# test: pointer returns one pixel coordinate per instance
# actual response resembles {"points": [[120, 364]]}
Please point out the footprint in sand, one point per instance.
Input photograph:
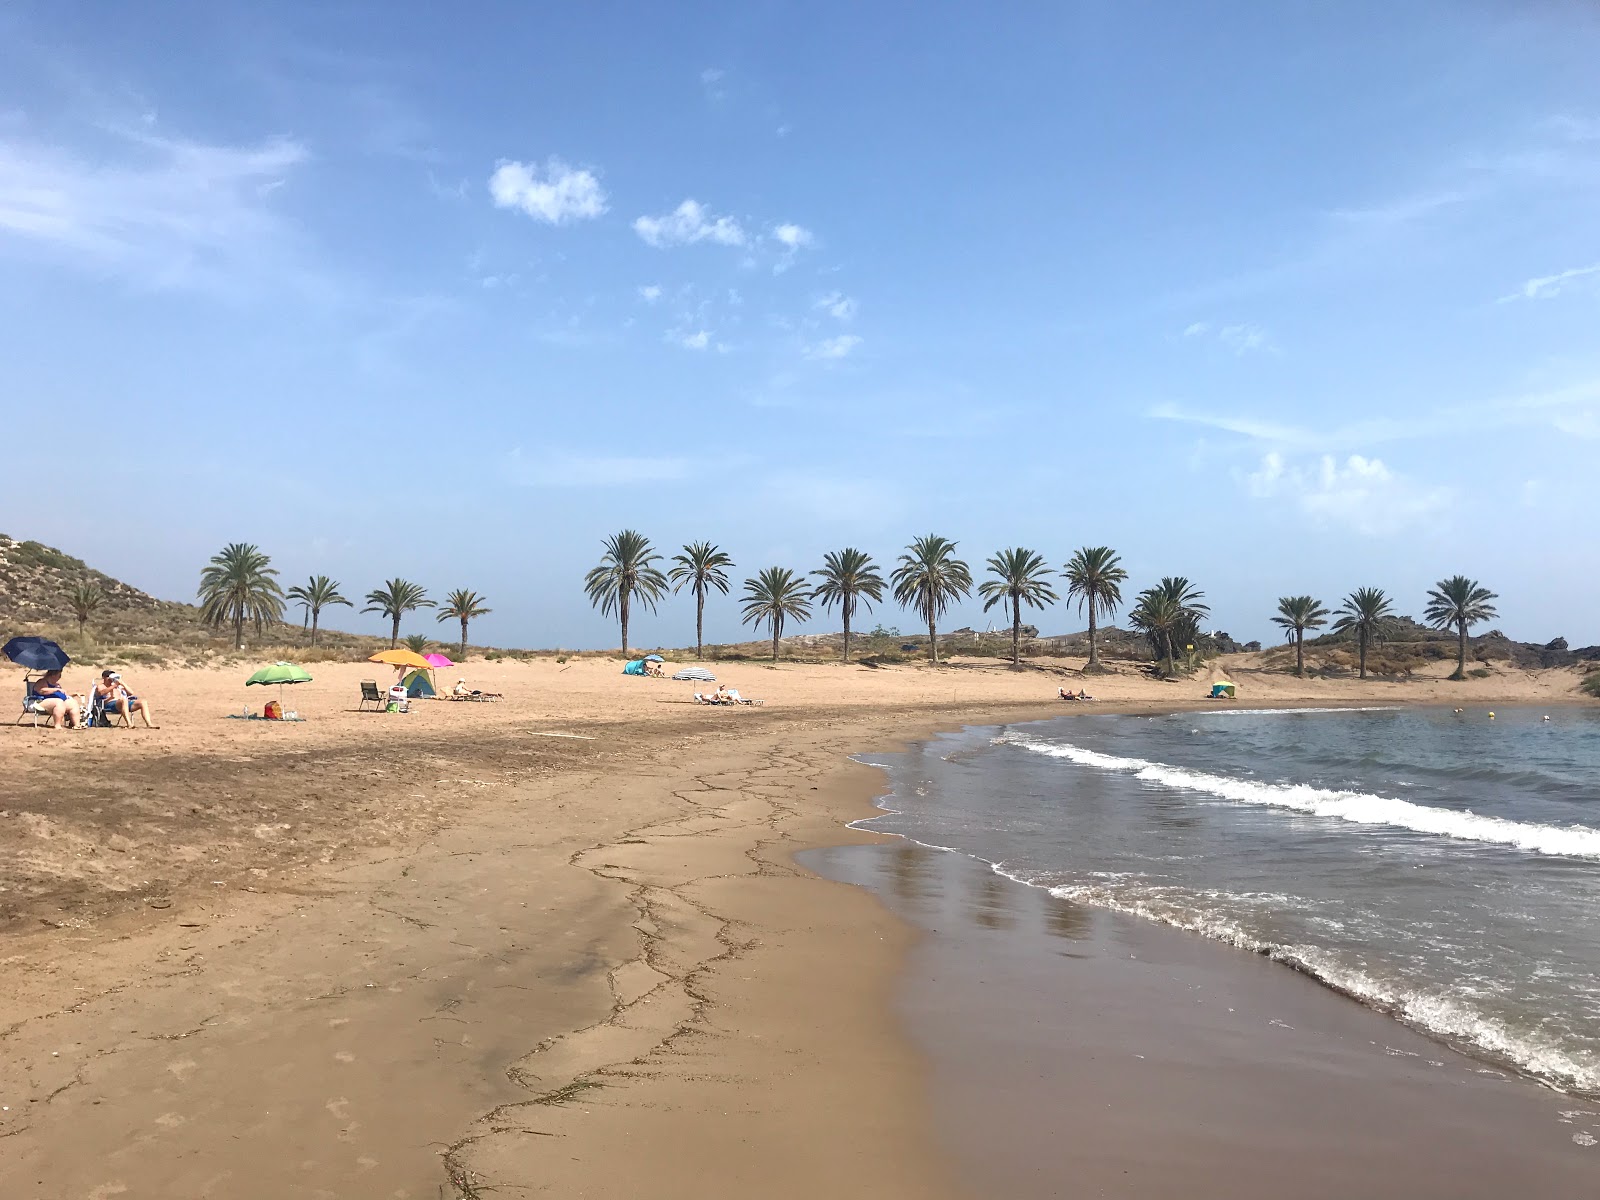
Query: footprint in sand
{"points": [[344, 1056], [339, 1107], [182, 1067], [171, 1120]]}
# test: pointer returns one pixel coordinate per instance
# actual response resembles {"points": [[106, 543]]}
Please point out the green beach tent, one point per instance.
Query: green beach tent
{"points": [[419, 686]]}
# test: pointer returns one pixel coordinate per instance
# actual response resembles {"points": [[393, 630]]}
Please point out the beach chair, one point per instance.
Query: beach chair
{"points": [[371, 695], [30, 711], [100, 714]]}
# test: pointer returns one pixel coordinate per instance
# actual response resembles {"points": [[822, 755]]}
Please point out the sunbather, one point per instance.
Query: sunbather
{"points": [[46, 695], [114, 698]]}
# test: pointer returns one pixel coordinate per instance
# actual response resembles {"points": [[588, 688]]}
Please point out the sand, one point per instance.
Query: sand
{"points": [[556, 943]]}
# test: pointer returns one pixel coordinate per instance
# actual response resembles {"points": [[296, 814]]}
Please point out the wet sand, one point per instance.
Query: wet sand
{"points": [[1079, 1052]]}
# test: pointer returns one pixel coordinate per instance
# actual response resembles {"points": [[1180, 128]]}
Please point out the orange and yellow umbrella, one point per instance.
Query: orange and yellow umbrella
{"points": [[401, 658]]}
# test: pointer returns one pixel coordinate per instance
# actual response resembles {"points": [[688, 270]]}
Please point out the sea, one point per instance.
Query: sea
{"points": [[1440, 866]]}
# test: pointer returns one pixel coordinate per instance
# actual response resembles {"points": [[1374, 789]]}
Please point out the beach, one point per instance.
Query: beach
{"points": [[558, 943]]}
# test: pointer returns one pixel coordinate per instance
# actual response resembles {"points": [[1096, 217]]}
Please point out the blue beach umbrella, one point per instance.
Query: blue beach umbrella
{"points": [[654, 658], [35, 653]]}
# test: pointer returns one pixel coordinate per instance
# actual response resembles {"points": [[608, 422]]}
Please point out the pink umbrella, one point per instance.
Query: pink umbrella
{"points": [[438, 660]]}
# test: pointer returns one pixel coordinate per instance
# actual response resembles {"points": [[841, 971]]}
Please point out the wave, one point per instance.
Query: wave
{"points": [[1361, 808], [1442, 1016], [1285, 712]]}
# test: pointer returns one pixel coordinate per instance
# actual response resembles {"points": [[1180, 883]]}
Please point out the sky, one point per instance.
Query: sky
{"points": [[1293, 299]]}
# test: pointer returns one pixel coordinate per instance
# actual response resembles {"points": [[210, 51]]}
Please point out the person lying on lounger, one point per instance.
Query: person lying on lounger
{"points": [[114, 698], [46, 695]]}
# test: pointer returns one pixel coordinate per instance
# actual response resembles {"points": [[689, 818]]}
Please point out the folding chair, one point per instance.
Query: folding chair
{"points": [[371, 695]]}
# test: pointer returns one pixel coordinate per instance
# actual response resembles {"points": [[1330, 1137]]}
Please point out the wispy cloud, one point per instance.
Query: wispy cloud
{"points": [[687, 224], [834, 347], [1360, 493], [650, 292], [1241, 339], [569, 469], [699, 339], [711, 83], [1401, 211], [168, 211], [837, 305], [1545, 287], [793, 238], [555, 194], [851, 501]]}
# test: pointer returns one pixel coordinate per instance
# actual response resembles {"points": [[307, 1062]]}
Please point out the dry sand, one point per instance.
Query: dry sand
{"points": [[437, 953]]}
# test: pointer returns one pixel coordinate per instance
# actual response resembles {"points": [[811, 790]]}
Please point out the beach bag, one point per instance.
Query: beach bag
{"points": [[273, 711]]}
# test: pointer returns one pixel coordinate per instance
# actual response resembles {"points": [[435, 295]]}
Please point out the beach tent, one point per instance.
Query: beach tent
{"points": [[698, 674], [636, 667], [1222, 688], [418, 685]]}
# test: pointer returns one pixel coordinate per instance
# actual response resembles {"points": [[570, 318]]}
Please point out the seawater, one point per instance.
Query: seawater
{"points": [[1442, 867]]}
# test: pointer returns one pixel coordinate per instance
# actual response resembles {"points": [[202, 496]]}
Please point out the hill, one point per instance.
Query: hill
{"points": [[36, 586]]}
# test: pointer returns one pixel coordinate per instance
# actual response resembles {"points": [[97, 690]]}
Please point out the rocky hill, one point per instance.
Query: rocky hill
{"points": [[36, 587]]}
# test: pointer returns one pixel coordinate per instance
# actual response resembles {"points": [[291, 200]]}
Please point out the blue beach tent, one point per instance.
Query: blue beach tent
{"points": [[636, 667]]}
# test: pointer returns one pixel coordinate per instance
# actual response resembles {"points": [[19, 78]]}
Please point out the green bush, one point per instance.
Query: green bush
{"points": [[1591, 685]]}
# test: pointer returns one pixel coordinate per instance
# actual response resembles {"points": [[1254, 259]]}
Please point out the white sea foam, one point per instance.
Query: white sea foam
{"points": [[1288, 712], [1362, 808], [1441, 1015]]}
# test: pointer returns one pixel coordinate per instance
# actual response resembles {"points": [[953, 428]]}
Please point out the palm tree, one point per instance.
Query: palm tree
{"points": [[1159, 617], [849, 579], [1462, 603], [394, 600], [416, 642], [1366, 612], [773, 597], [240, 585], [84, 599], [1021, 574], [701, 567], [929, 578], [317, 593], [1296, 614], [1094, 578], [627, 572], [462, 605]]}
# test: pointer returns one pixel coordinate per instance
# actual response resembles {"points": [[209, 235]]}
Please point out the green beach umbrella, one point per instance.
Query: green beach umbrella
{"points": [[280, 673]]}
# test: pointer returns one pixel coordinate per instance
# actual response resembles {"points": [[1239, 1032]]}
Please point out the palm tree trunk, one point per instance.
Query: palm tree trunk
{"points": [[699, 622], [622, 608], [238, 627], [394, 632], [314, 619], [1016, 631], [775, 629], [1461, 650], [846, 611], [463, 639], [1361, 644], [933, 639], [1300, 652], [80, 626], [1094, 651]]}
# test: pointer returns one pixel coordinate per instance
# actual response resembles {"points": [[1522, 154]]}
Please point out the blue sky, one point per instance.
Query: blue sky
{"points": [[1295, 299]]}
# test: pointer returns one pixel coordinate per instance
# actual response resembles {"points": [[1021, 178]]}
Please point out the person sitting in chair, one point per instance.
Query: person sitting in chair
{"points": [[461, 690], [114, 698], [46, 695]]}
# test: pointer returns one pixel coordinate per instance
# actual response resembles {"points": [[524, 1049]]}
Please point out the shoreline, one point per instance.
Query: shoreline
{"points": [[433, 964]]}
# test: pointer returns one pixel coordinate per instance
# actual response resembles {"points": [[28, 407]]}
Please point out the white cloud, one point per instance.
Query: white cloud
{"points": [[1242, 338], [837, 305], [793, 237], [169, 211], [1545, 287], [700, 339], [1361, 493], [555, 196], [834, 347], [570, 469], [687, 224], [650, 292], [711, 75]]}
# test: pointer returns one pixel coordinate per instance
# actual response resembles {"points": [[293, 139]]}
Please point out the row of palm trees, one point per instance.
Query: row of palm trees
{"points": [[240, 586], [927, 579], [1456, 603]]}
